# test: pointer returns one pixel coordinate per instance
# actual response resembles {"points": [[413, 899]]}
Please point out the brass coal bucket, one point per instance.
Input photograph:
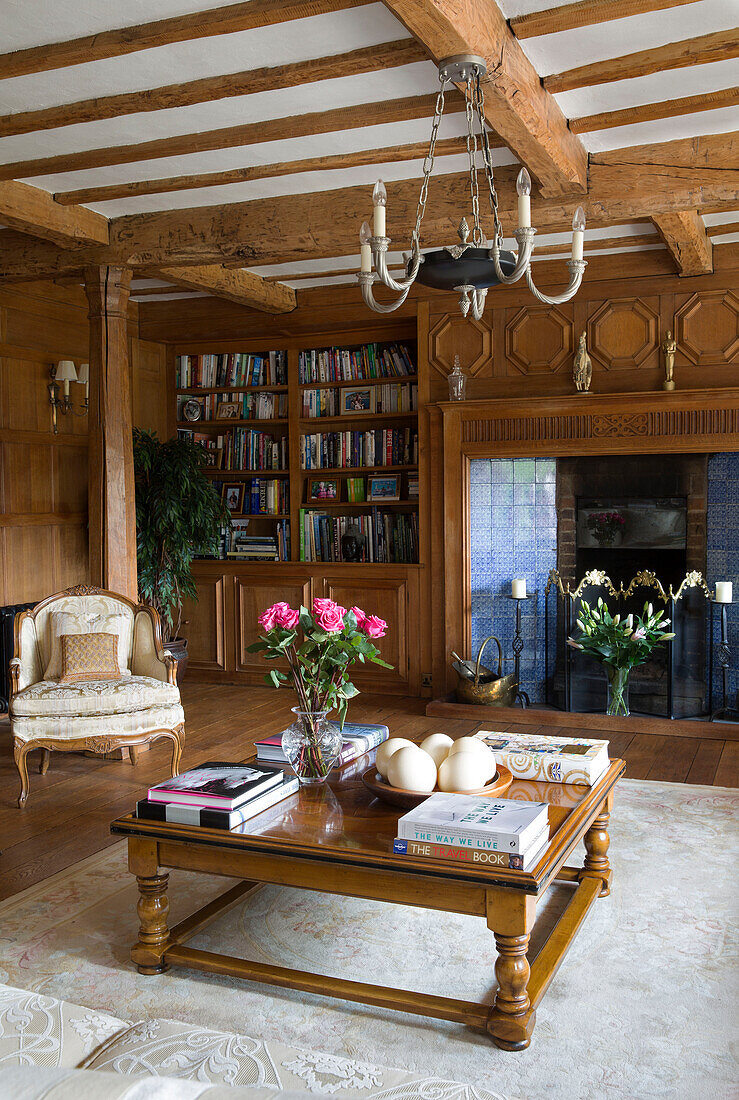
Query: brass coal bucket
{"points": [[486, 687]]}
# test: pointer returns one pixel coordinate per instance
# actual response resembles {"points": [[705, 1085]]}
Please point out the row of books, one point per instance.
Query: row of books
{"points": [[392, 397], [236, 406], [358, 739], [236, 542], [245, 449], [263, 496], [379, 447], [348, 364], [233, 369], [389, 536], [487, 832], [217, 795]]}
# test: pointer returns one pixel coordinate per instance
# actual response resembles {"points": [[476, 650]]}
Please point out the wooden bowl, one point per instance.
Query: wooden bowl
{"points": [[406, 800]]}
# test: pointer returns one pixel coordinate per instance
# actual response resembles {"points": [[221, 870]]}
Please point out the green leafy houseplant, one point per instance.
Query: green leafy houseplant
{"points": [[178, 515], [619, 645]]}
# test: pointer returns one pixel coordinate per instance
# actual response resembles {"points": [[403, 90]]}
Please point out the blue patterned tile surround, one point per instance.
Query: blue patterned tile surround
{"points": [[513, 522], [723, 554]]}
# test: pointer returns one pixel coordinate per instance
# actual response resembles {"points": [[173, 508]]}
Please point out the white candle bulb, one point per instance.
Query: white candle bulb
{"points": [[518, 588], [379, 198], [365, 250], [523, 186], [578, 233], [724, 592]]}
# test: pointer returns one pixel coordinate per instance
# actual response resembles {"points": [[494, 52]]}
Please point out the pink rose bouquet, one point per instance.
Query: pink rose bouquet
{"points": [[333, 639]]}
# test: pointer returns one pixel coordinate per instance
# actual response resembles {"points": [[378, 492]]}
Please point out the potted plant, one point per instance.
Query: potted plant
{"points": [[619, 645], [332, 640], [178, 514], [607, 527]]}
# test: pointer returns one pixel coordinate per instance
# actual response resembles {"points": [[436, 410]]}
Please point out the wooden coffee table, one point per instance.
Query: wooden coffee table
{"points": [[337, 839]]}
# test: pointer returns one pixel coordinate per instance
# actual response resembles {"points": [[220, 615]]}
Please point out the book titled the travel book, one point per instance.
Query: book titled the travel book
{"points": [[216, 785], [219, 819], [359, 738], [477, 856], [549, 759], [467, 821]]}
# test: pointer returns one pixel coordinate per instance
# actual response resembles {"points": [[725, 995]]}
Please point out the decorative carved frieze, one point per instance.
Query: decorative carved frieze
{"points": [[667, 424]]}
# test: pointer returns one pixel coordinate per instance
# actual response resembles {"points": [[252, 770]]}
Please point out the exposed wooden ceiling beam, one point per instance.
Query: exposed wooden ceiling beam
{"points": [[391, 155], [585, 13], [697, 173], [31, 210], [648, 112], [243, 287], [684, 233], [251, 133], [367, 59], [180, 28], [525, 116], [723, 227], [720, 46]]}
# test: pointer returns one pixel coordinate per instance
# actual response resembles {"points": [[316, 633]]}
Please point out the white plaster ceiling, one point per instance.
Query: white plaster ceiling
{"points": [[45, 21]]}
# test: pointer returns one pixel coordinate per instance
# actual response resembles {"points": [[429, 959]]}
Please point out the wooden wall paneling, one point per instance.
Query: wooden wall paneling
{"points": [[255, 591], [451, 334], [71, 563], [149, 391], [295, 480], [538, 340], [707, 329], [624, 335], [390, 598], [420, 625], [25, 545], [204, 625]]}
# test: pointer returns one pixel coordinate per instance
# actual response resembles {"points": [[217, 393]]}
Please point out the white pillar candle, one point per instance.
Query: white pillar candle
{"points": [[518, 588], [724, 591]]}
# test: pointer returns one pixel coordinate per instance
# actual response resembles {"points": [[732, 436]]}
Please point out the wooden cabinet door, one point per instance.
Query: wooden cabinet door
{"points": [[253, 595], [204, 625], [392, 598]]}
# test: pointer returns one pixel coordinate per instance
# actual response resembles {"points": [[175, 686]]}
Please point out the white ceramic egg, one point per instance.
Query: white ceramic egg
{"points": [[437, 745], [412, 769], [386, 750], [464, 771], [468, 744], [472, 746]]}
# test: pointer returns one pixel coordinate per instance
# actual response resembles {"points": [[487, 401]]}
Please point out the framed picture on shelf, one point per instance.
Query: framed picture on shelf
{"points": [[326, 489], [383, 488], [357, 399], [228, 410], [233, 496]]}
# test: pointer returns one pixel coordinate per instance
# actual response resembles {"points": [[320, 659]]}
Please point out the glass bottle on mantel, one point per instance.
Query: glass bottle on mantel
{"points": [[457, 382]]}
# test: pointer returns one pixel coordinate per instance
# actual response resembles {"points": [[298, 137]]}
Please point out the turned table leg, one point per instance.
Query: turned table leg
{"points": [[597, 840], [511, 917], [152, 908]]}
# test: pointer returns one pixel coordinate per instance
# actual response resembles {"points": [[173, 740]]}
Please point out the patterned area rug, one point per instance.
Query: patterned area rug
{"points": [[643, 1006]]}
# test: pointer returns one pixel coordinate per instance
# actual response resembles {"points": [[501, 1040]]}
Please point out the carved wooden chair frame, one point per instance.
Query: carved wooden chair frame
{"points": [[110, 742]]}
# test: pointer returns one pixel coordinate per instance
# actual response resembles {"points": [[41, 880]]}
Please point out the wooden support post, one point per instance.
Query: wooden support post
{"points": [[111, 484]]}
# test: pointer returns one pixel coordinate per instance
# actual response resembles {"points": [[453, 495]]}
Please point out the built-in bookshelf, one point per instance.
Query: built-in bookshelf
{"points": [[308, 445]]}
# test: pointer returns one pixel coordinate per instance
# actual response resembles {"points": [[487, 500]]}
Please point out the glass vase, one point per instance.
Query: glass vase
{"points": [[618, 691], [312, 745]]}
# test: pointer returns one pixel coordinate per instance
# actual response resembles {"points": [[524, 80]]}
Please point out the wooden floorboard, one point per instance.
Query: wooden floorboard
{"points": [[70, 808]]}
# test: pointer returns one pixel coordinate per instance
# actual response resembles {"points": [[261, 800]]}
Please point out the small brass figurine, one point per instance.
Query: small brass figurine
{"points": [[582, 367], [669, 347]]}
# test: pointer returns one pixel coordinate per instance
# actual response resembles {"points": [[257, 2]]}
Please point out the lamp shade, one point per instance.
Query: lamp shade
{"points": [[65, 371], [83, 374]]}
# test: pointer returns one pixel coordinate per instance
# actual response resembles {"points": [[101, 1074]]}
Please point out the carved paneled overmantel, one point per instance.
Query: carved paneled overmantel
{"points": [[680, 422]]}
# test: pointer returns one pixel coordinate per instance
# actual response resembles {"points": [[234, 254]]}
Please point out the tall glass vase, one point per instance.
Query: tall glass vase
{"points": [[618, 690], [312, 745]]}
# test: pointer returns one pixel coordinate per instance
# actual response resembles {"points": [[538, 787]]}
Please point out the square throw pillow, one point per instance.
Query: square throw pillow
{"points": [[70, 622], [89, 657]]}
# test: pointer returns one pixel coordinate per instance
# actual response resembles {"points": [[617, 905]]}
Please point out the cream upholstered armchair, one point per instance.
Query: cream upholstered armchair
{"points": [[99, 715]]}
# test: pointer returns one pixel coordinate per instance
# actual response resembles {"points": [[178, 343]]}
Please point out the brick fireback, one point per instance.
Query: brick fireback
{"points": [[632, 476]]}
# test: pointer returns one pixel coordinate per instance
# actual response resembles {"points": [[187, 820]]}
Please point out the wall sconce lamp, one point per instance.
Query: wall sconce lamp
{"points": [[65, 372]]}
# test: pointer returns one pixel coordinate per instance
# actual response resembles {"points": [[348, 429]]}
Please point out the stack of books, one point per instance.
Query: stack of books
{"points": [[217, 795], [484, 832], [254, 548], [581, 760], [358, 739]]}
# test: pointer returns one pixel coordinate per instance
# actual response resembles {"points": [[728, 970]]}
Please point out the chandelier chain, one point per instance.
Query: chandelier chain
{"points": [[477, 235], [428, 165], [488, 159]]}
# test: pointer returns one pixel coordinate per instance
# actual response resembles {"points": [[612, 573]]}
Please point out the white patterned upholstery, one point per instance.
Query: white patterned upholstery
{"points": [[83, 615], [49, 698], [131, 723], [40, 1030], [29, 663], [144, 659]]}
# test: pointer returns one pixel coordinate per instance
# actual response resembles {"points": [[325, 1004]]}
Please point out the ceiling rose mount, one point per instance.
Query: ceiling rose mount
{"points": [[474, 265]]}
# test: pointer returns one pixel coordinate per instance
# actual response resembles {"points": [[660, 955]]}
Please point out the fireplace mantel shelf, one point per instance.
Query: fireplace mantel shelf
{"points": [[724, 397]]}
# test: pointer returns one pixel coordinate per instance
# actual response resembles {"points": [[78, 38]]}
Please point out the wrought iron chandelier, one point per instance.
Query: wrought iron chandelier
{"points": [[472, 266]]}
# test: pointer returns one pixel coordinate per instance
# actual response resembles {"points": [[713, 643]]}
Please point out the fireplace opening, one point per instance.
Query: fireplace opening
{"points": [[623, 536]]}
